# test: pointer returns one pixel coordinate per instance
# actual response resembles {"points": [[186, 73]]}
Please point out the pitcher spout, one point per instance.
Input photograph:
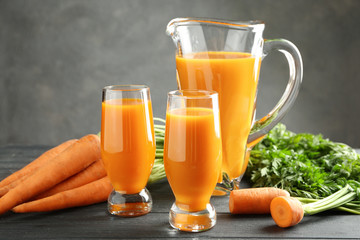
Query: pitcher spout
{"points": [[172, 26], [200, 34]]}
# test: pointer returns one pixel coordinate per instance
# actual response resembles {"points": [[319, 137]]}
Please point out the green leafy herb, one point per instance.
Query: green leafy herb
{"points": [[158, 170], [306, 165]]}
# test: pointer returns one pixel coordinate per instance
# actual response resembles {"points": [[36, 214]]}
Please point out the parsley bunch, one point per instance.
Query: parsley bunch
{"points": [[305, 165]]}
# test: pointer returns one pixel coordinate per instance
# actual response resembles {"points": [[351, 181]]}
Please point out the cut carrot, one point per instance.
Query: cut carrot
{"points": [[91, 193], [286, 211], [253, 200], [93, 172], [38, 162], [69, 162]]}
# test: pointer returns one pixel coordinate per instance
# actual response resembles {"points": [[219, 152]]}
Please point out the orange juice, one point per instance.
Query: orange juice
{"points": [[192, 156], [127, 143], [235, 77]]}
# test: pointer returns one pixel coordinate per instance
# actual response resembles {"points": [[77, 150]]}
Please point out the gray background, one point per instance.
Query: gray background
{"points": [[55, 57]]}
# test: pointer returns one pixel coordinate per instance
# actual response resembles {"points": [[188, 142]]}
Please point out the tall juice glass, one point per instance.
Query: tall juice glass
{"points": [[128, 147], [192, 157], [225, 56]]}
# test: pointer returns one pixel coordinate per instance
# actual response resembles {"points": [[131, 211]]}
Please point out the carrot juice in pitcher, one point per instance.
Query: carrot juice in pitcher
{"points": [[225, 56], [234, 76]]}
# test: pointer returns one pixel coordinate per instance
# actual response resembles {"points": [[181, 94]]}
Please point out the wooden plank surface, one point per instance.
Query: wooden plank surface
{"points": [[93, 222]]}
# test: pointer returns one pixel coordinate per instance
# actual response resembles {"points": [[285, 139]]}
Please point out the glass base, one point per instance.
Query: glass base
{"points": [[192, 221], [130, 205], [226, 186]]}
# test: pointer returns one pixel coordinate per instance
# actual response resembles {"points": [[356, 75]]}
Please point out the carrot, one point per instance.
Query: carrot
{"points": [[289, 211], [253, 200], [6, 188], [286, 211], [94, 192], [38, 162], [74, 159], [93, 172]]}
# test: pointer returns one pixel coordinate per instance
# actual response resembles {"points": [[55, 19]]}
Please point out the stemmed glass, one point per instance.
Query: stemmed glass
{"points": [[192, 157], [128, 147]]}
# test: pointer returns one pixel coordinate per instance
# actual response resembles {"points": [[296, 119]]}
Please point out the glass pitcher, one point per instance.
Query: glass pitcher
{"points": [[225, 56]]}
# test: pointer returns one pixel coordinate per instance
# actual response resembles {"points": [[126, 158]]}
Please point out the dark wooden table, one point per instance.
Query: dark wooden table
{"points": [[93, 222]]}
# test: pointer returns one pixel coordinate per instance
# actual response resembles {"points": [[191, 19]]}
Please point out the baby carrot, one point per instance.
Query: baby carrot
{"points": [[94, 192], [253, 200], [74, 159], [93, 172], [286, 211], [38, 162]]}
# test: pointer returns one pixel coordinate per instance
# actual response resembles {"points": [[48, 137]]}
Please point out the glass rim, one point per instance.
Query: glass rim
{"points": [[206, 94], [253, 24], [126, 87]]}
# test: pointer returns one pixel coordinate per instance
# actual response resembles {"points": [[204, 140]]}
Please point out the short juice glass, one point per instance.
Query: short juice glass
{"points": [[128, 147], [192, 157]]}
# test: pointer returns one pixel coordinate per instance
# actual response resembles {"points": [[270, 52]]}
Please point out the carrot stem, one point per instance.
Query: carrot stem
{"points": [[350, 207], [320, 206], [332, 197], [158, 171], [350, 210]]}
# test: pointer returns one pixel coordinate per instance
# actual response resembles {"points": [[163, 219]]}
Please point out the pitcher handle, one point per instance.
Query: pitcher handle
{"points": [[264, 125]]}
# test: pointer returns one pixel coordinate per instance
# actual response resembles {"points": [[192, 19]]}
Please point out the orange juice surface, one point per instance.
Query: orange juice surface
{"points": [[127, 143], [192, 156], [234, 76]]}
